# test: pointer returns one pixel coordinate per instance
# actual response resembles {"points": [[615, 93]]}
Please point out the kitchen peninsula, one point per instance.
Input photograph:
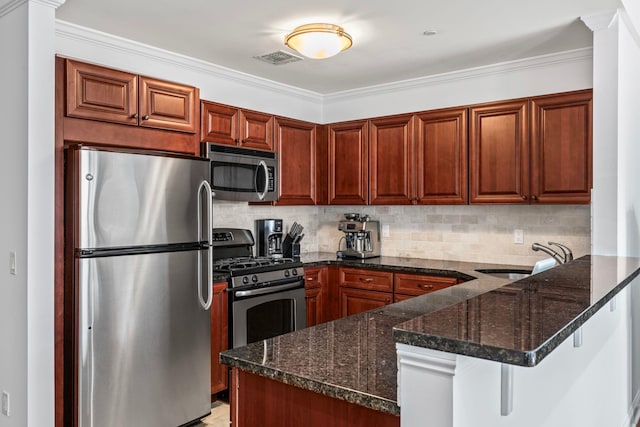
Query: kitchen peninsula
{"points": [[485, 321]]}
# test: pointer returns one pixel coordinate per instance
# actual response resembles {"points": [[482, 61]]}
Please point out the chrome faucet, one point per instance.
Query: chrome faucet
{"points": [[566, 256]]}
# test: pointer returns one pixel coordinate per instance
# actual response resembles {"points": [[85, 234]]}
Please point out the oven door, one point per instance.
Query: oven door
{"points": [[263, 313]]}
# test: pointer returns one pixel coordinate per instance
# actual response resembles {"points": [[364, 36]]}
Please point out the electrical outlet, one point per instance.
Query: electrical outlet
{"points": [[518, 237], [12, 263], [385, 230], [6, 409]]}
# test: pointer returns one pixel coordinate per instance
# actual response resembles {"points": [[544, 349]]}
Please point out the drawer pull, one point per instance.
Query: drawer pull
{"points": [[309, 279], [366, 280], [425, 286]]}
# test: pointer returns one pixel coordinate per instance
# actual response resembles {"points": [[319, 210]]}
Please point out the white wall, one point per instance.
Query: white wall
{"points": [[26, 219]]}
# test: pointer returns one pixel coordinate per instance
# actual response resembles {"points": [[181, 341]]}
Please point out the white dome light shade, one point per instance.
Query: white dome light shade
{"points": [[318, 41]]}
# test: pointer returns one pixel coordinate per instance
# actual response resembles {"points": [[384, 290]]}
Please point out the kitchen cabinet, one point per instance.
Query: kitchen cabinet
{"points": [[99, 93], [361, 290], [348, 163], [391, 160], [301, 150], [219, 337], [441, 149], [561, 148], [224, 124], [410, 285], [536, 150], [316, 294], [499, 153]]}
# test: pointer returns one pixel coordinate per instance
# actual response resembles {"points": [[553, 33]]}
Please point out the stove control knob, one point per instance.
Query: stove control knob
{"points": [[286, 273], [254, 279], [294, 271], [245, 280]]}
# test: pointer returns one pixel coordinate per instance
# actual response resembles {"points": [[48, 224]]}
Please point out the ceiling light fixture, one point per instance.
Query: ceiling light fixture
{"points": [[318, 41]]}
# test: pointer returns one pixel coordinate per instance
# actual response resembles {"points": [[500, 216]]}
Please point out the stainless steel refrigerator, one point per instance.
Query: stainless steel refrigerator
{"points": [[142, 282]]}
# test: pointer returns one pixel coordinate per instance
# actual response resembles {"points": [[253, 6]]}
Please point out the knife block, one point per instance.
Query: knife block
{"points": [[290, 249]]}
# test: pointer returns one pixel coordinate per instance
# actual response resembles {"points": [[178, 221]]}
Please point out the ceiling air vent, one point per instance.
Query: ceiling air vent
{"points": [[278, 58]]}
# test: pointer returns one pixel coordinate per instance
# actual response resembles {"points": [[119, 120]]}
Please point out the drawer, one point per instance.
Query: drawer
{"points": [[415, 284], [314, 277], [366, 279]]}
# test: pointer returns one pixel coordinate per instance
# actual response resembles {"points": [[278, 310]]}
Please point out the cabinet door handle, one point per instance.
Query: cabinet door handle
{"points": [[425, 286], [524, 197], [134, 116], [387, 300], [309, 279], [366, 280], [534, 198], [145, 118]]}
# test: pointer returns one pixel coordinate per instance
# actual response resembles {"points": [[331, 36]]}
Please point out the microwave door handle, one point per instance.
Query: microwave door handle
{"points": [[266, 181]]}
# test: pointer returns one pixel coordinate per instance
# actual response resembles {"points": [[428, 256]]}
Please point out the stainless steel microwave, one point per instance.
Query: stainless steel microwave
{"points": [[243, 174]]}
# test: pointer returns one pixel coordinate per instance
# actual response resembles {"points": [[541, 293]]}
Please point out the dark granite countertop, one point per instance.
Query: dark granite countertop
{"points": [[354, 358], [524, 321]]}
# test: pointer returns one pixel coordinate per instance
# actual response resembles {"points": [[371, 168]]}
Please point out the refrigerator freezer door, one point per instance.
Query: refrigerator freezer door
{"points": [[144, 349], [130, 200]]}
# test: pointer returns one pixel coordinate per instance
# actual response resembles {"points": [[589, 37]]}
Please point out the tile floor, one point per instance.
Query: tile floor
{"points": [[219, 416]]}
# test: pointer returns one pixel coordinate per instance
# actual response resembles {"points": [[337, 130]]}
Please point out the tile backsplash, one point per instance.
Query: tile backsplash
{"points": [[477, 233]]}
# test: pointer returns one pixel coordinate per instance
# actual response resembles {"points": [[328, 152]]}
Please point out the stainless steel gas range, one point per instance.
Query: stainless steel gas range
{"points": [[266, 295]]}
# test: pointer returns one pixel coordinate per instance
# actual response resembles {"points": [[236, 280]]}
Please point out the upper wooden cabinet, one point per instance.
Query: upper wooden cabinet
{"points": [[441, 157], [561, 148], [499, 153], [537, 150], [391, 165], [224, 124], [104, 94], [301, 174], [348, 163]]}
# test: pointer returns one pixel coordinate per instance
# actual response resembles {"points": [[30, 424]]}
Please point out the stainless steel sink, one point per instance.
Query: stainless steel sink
{"points": [[506, 273]]}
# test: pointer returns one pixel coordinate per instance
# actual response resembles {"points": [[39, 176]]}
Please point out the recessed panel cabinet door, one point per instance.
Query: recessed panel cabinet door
{"points": [[100, 93], [219, 123], [391, 161], [499, 153], [441, 157], [561, 148], [348, 163], [166, 105], [296, 148]]}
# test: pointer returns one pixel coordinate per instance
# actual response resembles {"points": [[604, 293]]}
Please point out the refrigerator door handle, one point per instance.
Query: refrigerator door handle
{"points": [[206, 304]]}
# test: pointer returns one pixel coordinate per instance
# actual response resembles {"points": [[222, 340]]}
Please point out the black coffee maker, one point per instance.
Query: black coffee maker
{"points": [[268, 237]]}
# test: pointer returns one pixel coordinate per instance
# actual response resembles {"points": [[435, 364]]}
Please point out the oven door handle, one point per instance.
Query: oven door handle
{"points": [[268, 290], [265, 169]]}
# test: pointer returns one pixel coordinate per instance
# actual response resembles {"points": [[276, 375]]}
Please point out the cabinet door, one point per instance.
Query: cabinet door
{"points": [[219, 123], [499, 153], [441, 157], [391, 162], [296, 148], [415, 284], [353, 301], [561, 148], [166, 105], [314, 306], [316, 289], [348, 163], [219, 337], [100, 93], [256, 130]]}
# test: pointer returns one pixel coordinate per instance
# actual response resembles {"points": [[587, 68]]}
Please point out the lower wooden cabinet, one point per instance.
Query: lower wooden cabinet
{"points": [[354, 301], [219, 337], [410, 285], [315, 294]]}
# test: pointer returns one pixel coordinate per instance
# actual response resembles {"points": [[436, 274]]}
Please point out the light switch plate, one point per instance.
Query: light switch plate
{"points": [[385, 230]]}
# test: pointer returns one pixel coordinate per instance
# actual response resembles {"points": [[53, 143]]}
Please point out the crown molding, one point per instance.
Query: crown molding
{"points": [[576, 55], [111, 42], [11, 5], [600, 21]]}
